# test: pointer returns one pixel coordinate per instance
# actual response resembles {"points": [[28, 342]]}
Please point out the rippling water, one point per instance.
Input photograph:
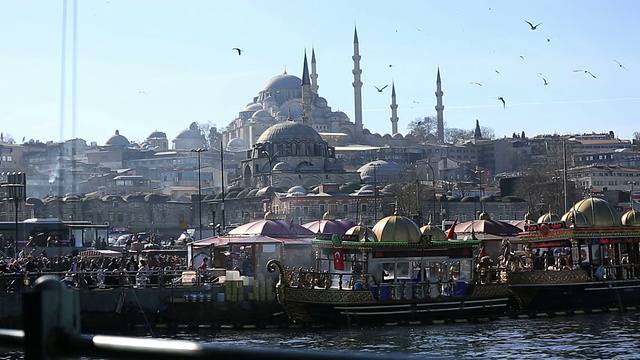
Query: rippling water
{"points": [[601, 336]]}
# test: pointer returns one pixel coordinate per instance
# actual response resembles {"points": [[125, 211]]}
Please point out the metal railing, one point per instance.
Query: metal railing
{"points": [[52, 331]]}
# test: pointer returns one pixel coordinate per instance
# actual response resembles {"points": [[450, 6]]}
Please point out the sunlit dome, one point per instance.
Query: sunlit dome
{"points": [[396, 228]]}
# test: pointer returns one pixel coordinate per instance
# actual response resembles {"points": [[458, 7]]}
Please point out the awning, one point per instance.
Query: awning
{"points": [[100, 253]]}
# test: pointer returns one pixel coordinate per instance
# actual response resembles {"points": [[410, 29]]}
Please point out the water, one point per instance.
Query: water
{"points": [[601, 336]]}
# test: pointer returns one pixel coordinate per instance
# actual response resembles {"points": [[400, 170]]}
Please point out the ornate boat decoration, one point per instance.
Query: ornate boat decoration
{"points": [[404, 275]]}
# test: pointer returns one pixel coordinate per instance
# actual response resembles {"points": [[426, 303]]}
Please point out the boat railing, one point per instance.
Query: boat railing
{"points": [[52, 331], [397, 289]]}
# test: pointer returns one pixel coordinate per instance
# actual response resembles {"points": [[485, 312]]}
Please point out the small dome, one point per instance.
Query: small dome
{"points": [[33, 201], [262, 115], [484, 216], [289, 131], [253, 107], [282, 166], [396, 228], [548, 217], [364, 233], [433, 233], [575, 219], [193, 132], [529, 216], [397, 136], [157, 135], [237, 144], [117, 140], [631, 218], [328, 216], [297, 190], [385, 171], [599, 212]]}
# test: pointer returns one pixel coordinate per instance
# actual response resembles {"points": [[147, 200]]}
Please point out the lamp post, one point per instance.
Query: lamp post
{"points": [[433, 187], [375, 192], [17, 190], [270, 158], [199, 151], [479, 174], [632, 183]]}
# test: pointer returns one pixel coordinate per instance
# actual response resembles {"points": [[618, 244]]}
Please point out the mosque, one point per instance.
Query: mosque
{"points": [[282, 135]]}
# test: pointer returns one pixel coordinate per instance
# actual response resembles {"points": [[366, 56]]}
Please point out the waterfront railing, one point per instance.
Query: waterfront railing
{"points": [[52, 331]]}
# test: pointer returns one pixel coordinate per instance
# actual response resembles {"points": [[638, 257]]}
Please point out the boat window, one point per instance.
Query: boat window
{"points": [[388, 272]]}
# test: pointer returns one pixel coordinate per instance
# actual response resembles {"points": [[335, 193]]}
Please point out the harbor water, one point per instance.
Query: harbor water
{"points": [[596, 336]]}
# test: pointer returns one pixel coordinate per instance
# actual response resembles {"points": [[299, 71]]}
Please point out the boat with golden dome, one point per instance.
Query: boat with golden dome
{"points": [[588, 259], [393, 273]]}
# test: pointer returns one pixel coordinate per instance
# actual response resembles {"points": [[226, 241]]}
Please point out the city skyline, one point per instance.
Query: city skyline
{"points": [[148, 65]]}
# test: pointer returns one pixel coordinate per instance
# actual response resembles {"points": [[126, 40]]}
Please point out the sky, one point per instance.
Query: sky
{"points": [[147, 65]]}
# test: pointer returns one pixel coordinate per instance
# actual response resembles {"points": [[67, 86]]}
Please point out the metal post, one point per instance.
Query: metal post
{"points": [[199, 151], [375, 193], [631, 193], [419, 222], [564, 177], [222, 183], [433, 186]]}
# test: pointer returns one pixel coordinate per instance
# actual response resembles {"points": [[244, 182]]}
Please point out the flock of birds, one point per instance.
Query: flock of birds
{"points": [[500, 98]]}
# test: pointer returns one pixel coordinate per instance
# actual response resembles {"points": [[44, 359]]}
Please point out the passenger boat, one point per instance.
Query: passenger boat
{"points": [[588, 260], [395, 273]]}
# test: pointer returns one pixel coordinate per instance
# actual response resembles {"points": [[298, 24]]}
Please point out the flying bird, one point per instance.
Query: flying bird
{"points": [[521, 57], [545, 81], [586, 72], [238, 50], [497, 72], [548, 40], [390, 65], [142, 92], [504, 105], [475, 83], [622, 66], [380, 89], [533, 27]]}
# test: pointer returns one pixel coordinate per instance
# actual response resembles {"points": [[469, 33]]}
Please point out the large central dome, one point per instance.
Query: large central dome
{"points": [[289, 131], [284, 81]]}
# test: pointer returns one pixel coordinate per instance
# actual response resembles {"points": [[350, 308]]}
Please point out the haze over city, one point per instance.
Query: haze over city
{"points": [[160, 65]]}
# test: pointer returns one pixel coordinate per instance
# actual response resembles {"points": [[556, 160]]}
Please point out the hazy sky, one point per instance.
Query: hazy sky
{"points": [[146, 65]]}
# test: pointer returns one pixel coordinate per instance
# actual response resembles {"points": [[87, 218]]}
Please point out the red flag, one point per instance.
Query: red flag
{"points": [[338, 258], [452, 230], [481, 253]]}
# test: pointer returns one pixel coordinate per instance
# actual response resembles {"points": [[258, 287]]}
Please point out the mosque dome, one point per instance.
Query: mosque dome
{"points": [[118, 140], [193, 132], [631, 218], [397, 136], [598, 211], [433, 233], [237, 144], [364, 233], [262, 115], [396, 228], [284, 81], [385, 171], [157, 135], [548, 217], [253, 107], [297, 190], [289, 131]]}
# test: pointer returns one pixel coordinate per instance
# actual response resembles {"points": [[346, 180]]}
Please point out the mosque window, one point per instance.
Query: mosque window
{"points": [[322, 209]]}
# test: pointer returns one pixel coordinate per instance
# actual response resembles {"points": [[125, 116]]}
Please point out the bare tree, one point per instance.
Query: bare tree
{"points": [[424, 129], [210, 134]]}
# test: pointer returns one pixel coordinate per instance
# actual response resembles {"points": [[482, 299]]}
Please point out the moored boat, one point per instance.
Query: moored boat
{"points": [[588, 260], [394, 274]]}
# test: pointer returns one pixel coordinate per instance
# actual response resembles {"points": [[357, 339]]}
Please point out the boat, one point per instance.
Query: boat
{"points": [[395, 273], [589, 260]]}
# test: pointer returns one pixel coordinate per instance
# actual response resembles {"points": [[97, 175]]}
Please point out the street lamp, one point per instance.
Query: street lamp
{"points": [[479, 174], [433, 186], [631, 193], [375, 192], [270, 158], [199, 151]]}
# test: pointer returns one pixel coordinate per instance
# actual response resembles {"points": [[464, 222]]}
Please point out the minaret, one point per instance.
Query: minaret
{"points": [[439, 108], [357, 86], [314, 74], [477, 134], [306, 93], [394, 110]]}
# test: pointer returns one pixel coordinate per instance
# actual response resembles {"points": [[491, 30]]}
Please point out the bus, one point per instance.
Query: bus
{"points": [[80, 234]]}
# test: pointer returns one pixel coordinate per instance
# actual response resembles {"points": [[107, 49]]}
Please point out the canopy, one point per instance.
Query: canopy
{"points": [[329, 226], [489, 227], [278, 228], [100, 253]]}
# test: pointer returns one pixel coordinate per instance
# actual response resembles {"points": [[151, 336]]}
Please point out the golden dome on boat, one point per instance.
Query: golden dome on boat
{"points": [[598, 211], [631, 218], [484, 216], [270, 215], [363, 232], [548, 217], [575, 219], [433, 233], [396, 228], [529, 216]]}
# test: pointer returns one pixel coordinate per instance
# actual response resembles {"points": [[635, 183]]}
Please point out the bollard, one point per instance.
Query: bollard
{"points": [[49, 310]]}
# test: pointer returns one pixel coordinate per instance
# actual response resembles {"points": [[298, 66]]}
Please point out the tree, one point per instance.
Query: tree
{"points": [[211, 137], [424, 129], [454, 135]]}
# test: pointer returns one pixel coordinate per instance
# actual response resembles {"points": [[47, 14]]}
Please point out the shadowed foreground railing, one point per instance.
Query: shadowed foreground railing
{"points": [[51, 316]]}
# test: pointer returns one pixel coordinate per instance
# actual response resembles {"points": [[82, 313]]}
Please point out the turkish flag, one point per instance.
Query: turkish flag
{"points": [[452, 230], [338, 258]]}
